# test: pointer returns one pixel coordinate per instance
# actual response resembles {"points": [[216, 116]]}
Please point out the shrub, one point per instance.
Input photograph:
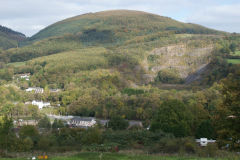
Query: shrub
{"points": [[118, 123], [92, 136], [168, 76], [209, 151]]}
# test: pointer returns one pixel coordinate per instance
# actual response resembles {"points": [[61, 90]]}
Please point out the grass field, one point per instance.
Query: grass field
{"points": [[16, 64], [234, 61], [116, 156], [237, 53]]}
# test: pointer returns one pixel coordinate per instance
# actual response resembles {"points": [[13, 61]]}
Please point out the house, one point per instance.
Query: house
{"points": [[204, 141], [35, 89], [82, 122], [103, 122], [22, 122], [85, 122], [135, 123], [64, 118], [25, 76], [40, 104]]}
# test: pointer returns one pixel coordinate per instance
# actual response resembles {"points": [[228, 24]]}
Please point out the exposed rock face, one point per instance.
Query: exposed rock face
{"points": [[182, 58], [197, 75]]}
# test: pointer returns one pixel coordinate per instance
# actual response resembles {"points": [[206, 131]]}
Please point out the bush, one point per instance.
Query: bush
{"points": [[108, 147], [118, 123], [209, 151], [168, 76], [174, 145], [44, 123], [44, 143], [92, 136]]}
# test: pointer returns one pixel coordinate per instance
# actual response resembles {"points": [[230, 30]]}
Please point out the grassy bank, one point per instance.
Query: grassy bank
{"points": [[117, 156]]}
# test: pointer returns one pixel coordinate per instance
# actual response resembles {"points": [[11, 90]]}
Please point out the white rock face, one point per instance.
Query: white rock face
{"points": [[184, 59]]}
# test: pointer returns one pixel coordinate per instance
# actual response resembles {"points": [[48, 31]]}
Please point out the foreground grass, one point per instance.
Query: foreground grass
{"points": [[116, 156], [234, 61]]}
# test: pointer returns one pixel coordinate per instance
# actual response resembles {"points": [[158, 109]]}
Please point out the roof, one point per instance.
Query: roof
{"points": [[135, 123], [83, 119]]}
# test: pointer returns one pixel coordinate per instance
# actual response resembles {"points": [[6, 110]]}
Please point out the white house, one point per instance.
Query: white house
{"points": [[25, 76], [36, 89], [41, 104], [204, 141]]}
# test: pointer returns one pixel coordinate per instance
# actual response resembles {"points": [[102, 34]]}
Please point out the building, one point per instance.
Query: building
{"points": [[25, 76], [21, 122], [35, 89], [54, 90], [103, 122], [131, 123], [135, 124], [82, 122], [85, 122], [204, 141], [76, 121], [40, 104]]}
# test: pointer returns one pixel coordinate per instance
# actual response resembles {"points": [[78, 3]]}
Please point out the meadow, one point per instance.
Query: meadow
{"points": [[234, 61], [237, 53]]}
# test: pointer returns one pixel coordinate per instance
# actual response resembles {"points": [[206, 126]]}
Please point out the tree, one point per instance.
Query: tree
{"points": [[44, 123], [57, 124], [7, 136], [92, 136], [27, 144], [117, 123], [205, 130], [29, 131], [227, 118], [172, 117], [233, 47], [44, 143]]}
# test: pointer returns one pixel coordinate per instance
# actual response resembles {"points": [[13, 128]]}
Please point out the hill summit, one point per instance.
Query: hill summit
{"points": [[122, 23]]}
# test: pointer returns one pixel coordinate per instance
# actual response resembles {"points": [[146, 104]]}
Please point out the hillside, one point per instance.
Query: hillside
{"points": [[171, 80], [142, 48], [9, 38], [120, 23]]}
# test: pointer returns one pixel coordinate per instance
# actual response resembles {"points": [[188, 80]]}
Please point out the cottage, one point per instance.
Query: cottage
{"points": [[204, 141], [40, 104], [82, 122], [35, 89], [22, 122], [25, 76]]}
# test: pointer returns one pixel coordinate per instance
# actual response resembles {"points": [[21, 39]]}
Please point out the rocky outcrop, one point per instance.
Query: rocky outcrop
{"points": [[184, 59]]}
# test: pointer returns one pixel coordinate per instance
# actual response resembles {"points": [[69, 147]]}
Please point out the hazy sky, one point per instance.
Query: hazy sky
{"points": [[30, 16]]}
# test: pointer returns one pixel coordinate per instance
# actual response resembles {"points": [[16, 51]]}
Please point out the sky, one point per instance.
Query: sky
{"points": [[30, 16]]}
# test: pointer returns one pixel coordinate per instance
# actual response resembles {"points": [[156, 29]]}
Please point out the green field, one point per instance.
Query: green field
{"points": [[237, 53], [116, 156], [234, 61], [16, 64]]}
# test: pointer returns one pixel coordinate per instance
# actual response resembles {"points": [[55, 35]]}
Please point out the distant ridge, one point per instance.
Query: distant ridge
{"points": [[10, 38]]}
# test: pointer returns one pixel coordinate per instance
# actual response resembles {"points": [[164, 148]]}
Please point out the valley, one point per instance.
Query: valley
{"points": [[180, 81]]}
